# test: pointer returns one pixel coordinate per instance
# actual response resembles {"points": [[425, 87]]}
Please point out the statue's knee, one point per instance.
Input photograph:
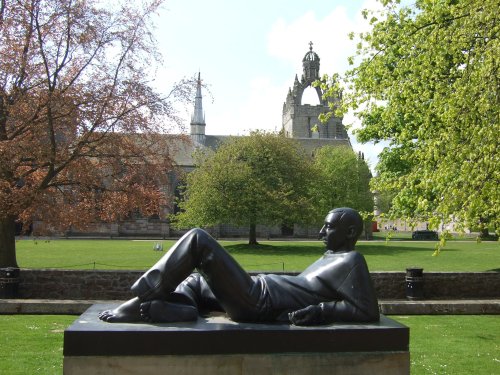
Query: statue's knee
{"points": [[198, 232], [202, 237]]}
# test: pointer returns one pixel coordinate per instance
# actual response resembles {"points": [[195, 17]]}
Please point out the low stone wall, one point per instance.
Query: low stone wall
{"points": [[76, 284], [440, 285], [114, 285]]}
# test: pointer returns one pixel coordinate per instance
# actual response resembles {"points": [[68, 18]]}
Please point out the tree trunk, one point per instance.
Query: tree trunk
{"points": [[252, 237], [484, 231], [8, 242], [368, 230]]}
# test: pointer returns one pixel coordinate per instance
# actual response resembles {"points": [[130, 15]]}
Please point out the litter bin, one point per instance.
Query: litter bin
{"points": [[9, 282], [414, 283]]}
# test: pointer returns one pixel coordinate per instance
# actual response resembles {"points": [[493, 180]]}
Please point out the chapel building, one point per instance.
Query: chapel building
{"points": [[299, 121]]}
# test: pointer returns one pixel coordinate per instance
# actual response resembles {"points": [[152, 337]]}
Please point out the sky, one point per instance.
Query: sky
{"points": [[248, 53]]}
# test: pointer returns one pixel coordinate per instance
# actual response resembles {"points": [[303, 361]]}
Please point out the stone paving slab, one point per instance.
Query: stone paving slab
{"points": [[387, 307]]}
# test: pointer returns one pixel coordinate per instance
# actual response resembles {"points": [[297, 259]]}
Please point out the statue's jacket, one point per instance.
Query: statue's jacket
{"points": [[339, 283]]}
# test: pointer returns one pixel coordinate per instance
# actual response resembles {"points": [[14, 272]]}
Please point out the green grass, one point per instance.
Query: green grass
{"points": [[447, 344], [405, 235], [268, 256], [32, 344]]}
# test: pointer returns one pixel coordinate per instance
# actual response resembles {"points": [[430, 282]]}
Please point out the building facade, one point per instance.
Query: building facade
{"points": [[299, 121]]}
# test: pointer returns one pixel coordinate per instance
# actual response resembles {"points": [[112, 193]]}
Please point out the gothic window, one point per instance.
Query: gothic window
{"points": [[310, 96]]}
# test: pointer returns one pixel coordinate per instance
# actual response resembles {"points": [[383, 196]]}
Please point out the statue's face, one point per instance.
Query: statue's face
{"points": [[333, 233]]}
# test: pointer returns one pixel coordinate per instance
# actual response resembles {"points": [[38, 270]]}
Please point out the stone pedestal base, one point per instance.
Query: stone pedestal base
{"points": [[393, 363], [216, 345]]}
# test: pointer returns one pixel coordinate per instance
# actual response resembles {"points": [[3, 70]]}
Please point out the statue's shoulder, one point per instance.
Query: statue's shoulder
{"points": [[349, 257], [353, 254]]}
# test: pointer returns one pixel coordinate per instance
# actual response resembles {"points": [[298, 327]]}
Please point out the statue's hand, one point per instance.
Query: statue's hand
{"points": [[308, 316]]}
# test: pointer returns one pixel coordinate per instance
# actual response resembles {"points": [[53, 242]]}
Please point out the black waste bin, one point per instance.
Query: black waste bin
{"points": [[9, 282], [414, 283]]}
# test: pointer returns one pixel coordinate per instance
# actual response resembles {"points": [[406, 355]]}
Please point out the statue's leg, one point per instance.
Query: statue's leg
{"points": [[238, 294], [233, 287], [163, 277], [195, 291], [182, 304], [159, 311]]}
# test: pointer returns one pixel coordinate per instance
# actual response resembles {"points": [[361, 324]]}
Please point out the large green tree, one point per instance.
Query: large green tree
{"points": [[343, 180], [428, 81], [260, 179], [74, 94]]}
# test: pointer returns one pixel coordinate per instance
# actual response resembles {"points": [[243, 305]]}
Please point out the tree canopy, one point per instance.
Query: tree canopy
{"points": [[269, 179], [343, 180], [80, 124], [428, 82], [260, 179]]}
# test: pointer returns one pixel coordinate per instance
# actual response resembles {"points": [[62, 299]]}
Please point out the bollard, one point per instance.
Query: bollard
{"points": [[414, 283], [9, 282]]}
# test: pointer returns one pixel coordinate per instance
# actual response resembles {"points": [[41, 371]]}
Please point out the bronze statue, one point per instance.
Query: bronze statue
{"points": [[335, 288]]}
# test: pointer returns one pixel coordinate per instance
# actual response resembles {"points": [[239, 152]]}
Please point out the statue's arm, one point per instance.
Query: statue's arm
{"points": [[330, 312], [357, 302]]}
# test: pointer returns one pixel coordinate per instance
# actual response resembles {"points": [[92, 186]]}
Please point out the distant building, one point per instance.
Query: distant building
{"points": [[299, 121]]}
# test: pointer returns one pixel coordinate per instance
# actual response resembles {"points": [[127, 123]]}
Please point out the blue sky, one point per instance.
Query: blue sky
{"points": [[248, 53]]}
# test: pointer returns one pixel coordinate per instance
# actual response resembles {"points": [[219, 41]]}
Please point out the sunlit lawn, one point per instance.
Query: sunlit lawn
{"points": [[447, 344], [268, 256], [32, 344]]}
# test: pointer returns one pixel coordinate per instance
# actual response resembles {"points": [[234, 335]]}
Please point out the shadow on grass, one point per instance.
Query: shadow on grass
{"points": [[302, 249], [494, 270], [381, 248]]}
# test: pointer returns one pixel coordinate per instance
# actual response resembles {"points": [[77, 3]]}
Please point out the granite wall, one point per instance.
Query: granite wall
{"points": [[104, 285]]}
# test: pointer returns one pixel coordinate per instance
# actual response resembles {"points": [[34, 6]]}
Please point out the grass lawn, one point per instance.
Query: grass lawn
{"points": [[32, 344], [394, 255], [456, 344]]}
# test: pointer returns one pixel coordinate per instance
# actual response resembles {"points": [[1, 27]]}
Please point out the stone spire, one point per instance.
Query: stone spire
{"points": [[198, 117]]}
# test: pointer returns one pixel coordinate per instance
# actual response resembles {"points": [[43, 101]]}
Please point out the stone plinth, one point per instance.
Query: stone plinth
{"points": [[217, 345]]}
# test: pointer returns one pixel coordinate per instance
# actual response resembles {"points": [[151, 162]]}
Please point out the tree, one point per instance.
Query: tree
{"points": [[260, 179], [343, 180], [428, 82], [79, 122]]}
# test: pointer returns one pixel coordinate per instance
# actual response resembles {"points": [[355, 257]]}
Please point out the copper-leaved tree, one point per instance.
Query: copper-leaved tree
{"points": [[80, 125]]}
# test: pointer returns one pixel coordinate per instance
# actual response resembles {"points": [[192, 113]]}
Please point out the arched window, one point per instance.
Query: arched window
{"points": [[310, 96]]}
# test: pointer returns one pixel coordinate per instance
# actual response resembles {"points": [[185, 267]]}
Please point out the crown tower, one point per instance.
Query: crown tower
{"points": [[301, 120]]}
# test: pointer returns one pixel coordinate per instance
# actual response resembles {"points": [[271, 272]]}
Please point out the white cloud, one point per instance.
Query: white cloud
{"points": [[329, 34], [254, 99], [288, 41], [260, 109]]}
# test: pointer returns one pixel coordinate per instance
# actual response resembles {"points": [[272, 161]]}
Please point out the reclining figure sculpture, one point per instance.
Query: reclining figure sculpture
{"points": [[335, 288]]}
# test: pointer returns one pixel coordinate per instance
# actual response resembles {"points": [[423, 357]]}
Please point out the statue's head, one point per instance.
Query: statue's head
{"points": [[342, 228]]}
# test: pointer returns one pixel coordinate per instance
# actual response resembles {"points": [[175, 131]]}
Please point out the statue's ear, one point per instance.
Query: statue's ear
{"points": [[351, 232]]}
